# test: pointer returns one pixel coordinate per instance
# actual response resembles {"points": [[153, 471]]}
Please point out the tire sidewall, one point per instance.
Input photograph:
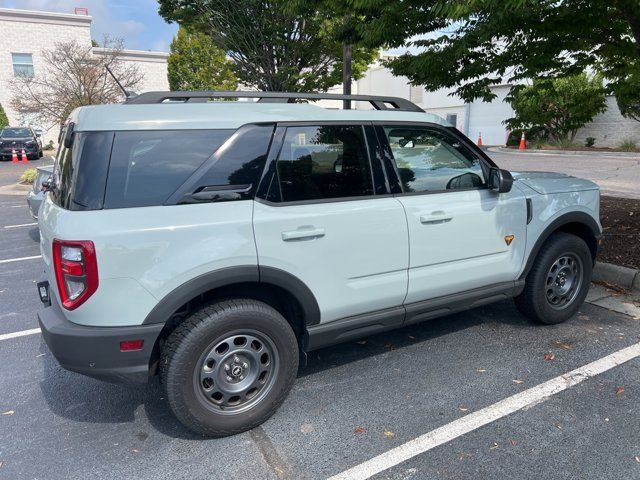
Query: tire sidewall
{"points": [[214, 323]]}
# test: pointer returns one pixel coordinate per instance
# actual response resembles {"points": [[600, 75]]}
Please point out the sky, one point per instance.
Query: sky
{"points": [[135, 21]]}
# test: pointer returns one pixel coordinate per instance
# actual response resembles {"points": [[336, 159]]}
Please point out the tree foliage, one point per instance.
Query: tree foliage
{"points": [[473, 44], [276, 45], [560, 107], [74, 75], [4, 121], [196, 63]]}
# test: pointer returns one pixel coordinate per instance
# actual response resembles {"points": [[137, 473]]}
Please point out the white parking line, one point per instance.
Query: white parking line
{"points": [[22, 225], [9, 260], [22, 333], [16, 206], [475, 420]]}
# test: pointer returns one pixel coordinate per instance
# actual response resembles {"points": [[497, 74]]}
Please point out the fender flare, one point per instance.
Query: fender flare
{"points": [[571, 217], [223, 277]]}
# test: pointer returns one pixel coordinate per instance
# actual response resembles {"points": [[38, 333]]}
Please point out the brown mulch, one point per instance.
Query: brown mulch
{"points": [[620, 219]]}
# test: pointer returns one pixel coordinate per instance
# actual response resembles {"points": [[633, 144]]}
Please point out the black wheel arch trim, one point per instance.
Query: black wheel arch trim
{"points": [[565, 219], [223, 277]]}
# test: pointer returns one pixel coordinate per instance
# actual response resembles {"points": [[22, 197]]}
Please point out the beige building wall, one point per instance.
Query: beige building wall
{"points": [[32, 32]]}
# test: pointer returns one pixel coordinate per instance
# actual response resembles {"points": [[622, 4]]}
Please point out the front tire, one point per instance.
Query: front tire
{"points": [[229, 366], [558, 281]]}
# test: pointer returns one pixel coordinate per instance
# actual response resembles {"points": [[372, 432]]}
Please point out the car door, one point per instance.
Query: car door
{"points": [[462, 236], [320, 216]]}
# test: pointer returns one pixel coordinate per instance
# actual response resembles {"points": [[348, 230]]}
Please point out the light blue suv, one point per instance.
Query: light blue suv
{"points": [[214, 242]]}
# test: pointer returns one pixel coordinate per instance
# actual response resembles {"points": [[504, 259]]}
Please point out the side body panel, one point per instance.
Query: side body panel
{"points": [[356, 263], [457, 240], [145, 253]]}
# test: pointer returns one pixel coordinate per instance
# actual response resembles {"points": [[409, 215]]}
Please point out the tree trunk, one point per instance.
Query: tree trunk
{"points": [[346, 74]]}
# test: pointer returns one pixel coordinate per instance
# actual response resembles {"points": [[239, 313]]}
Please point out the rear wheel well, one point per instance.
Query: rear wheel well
{"points": [[276, 297]]}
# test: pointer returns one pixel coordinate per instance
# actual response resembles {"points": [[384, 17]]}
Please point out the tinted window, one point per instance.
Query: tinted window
{"points": [[148, 166], [16, 133], [429, 159], [324, 162]]}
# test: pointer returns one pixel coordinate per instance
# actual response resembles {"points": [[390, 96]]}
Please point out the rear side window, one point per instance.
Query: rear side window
{"points": [[322, 162], [148, 166]]}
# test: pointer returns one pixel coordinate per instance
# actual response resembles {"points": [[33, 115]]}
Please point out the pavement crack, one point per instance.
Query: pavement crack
{"points": [[270, 454]]}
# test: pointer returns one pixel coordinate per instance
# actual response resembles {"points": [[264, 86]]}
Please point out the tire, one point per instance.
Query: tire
{"points": [[201, 376], [543, 298]]}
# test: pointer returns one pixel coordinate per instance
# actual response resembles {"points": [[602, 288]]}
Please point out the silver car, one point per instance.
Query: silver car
{"points": [[36, 195]]}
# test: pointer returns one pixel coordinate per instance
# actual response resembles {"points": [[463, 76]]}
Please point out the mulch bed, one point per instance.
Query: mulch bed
{"points": [[620, 219]]}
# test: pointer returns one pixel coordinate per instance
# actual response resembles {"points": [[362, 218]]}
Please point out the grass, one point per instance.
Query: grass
{"points": [[629, 145], [28, 176]]}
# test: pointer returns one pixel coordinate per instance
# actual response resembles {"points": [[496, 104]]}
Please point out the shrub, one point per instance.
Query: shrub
{"points": [[629, 145], [533, 135], [4, 121], [590, 142], [48, 146], [29, 176]]}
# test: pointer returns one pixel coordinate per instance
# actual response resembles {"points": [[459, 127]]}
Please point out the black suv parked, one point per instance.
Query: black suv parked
{"points": [[17, 138]]}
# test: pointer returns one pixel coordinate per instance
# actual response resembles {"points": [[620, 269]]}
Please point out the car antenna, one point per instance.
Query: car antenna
{"points": [[127, 93]]}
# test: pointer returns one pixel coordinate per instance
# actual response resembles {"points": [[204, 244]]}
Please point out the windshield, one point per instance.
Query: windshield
{"points": [[15, 133]]}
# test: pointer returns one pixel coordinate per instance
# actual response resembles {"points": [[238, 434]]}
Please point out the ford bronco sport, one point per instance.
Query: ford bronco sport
{"points": [[212, 243]]}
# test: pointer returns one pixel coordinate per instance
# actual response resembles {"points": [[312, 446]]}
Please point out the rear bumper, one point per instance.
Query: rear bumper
{"points": [[95, 351]]}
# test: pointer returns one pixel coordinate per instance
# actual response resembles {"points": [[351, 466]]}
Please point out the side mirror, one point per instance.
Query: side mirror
{"points": [[500, 181]]}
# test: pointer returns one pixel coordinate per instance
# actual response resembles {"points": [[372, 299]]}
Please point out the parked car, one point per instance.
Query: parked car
{"points": [[37, 193], [214, 243], [18, 138]]}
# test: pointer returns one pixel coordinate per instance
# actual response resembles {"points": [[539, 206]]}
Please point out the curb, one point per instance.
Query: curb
{"points": [[586, 153], [624, 277], [15, 189]]}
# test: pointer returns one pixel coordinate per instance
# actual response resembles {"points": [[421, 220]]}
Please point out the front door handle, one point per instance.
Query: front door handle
{"points": [[302, 233], [435, 218]]}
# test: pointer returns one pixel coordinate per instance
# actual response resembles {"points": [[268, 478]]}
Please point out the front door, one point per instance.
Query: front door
{"points": [[462, 236], [322, 219]]}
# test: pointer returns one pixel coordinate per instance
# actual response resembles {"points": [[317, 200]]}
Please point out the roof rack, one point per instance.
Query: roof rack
{"points": [[378, 102]]}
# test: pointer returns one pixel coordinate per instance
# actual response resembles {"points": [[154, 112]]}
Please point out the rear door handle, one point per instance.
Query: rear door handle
{"points": [[302, 233], [435, 218]]}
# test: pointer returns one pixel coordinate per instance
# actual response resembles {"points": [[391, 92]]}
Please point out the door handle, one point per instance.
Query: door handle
{"points": [[435, 218], [302, 233]]}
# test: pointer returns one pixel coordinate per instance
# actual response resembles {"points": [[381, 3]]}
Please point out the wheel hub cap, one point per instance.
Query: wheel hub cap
{"points": [[236, 372], [564, 280]]}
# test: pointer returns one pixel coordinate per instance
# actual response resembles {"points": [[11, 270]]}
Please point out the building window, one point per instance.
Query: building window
{"points": [[22, 64]]}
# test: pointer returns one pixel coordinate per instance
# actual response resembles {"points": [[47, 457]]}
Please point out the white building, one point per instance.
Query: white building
{"points": [[25, 34], [609, 129]]}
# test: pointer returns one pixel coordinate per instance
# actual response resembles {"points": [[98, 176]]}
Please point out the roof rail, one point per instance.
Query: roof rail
{"points": [[378, 102]]}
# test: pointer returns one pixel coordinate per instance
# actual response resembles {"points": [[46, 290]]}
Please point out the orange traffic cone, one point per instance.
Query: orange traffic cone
{"points": [[480, 139], [523, 142], [24, 157], [14, 156]]}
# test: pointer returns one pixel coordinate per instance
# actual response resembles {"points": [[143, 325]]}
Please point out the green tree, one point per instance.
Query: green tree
{"points": [[4, 121], [560, 106], [195, 63], [276, 45], [473, 44]]}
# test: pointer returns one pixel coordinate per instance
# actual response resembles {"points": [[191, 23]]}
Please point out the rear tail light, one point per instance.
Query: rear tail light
{"points": [[76, 269]]}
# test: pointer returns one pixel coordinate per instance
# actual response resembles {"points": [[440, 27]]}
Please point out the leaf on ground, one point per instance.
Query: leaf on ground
{"points": [[411, 337], [361, 342], [390, 346], [2, 463], [519, 382], [494, 446], [389, 433], [462, 409], [480, 370], [306, 428], [619, 391], [637, 460], [549, 356], [9, 412], [513, 443], [359, 430], [558, 426], [135, 450], [566, 346]]}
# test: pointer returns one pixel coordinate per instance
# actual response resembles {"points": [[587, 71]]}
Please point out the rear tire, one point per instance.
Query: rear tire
{"points": [[558, 281], [229, 366]]}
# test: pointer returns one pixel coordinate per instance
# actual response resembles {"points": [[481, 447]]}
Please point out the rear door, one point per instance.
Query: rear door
{"points": [[462, 236], [324, 215]]}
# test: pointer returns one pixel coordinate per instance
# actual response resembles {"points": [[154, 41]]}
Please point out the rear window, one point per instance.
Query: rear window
{"points": [[148, 166]]}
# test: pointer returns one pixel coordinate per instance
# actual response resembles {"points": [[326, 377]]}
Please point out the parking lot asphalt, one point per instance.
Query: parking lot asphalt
{"points": [[351, 402]]}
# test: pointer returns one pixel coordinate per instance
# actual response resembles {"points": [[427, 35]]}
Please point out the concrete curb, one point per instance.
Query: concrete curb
{"points": [[15, 189], [596, 153], [628, 278]]}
